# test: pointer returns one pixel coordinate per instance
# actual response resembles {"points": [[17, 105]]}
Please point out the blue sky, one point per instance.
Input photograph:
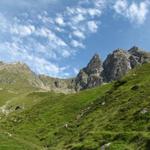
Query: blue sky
{"points": [[58, 37]]}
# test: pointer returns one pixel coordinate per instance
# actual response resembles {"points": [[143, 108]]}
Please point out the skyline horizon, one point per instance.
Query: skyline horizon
{"points": [[58, 37]]}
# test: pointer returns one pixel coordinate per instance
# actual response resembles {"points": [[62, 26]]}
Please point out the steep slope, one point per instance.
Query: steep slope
{"points": [[115, 66], [117, 121], [120, 62], [90, 76], [114, 116], [16, 75], [18, 78], [40, 122]]}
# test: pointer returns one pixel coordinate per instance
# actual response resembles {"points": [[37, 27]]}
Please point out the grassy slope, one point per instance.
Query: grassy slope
{"points": [[47, 114], [120, 118], [116, 113]]}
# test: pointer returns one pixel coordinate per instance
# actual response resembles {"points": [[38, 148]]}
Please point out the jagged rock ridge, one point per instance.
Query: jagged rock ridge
{"points": [[114, 67], [18, 76], [90, 76]]}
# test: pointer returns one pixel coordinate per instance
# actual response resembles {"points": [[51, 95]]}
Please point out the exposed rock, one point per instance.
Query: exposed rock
{"points": [[120, 62], [138, 56], [58, 85], [144, 111], [105, 146], [90, 76], [116, 65]]}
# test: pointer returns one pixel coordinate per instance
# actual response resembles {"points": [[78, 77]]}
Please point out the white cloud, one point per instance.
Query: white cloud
{"points": [[40, 39], [39, 65], [78, 18], [135, 12], [94, 12], [79, 34], [60, 21], [92, 25], [121, 6], [22, 30], [76, 44], [42, 66], [138, 13]]}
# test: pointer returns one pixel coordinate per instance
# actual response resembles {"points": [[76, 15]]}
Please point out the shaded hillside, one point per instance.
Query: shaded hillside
{"points": [[58, 85]]}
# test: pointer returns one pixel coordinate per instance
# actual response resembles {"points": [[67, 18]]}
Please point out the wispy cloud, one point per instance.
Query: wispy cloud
{"points": [[43, 40], [135, 12]]}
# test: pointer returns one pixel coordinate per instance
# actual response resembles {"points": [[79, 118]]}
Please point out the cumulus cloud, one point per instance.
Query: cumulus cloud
{"points": [[135, 12]]}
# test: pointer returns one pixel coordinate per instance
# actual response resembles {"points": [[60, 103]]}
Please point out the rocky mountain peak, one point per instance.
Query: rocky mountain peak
{"points": [[134, 49], [94, 66], [116, 65], [138, 56], [90, 76]]}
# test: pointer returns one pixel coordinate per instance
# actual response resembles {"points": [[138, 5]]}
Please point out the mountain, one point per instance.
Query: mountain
{"points": [[120, 62], [90, 76], [40, 112], [112, 116], [18, 76], [114, 67]]}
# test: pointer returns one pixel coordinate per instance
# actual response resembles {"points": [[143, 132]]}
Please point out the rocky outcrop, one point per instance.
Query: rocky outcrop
{"points": [[58, 85], [116, 65], [120, 62], [138, 56], [90, 76]]}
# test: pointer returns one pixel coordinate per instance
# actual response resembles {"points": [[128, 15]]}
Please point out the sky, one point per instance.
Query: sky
{"points": [[59, 37]]}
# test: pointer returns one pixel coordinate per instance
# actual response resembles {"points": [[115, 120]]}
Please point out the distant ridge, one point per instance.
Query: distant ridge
{"points": [[117, 64]]}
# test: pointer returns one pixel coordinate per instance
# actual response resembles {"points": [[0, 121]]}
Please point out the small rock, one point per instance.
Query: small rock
{"points": [[103, 103], [105, 146], [144, 111]]}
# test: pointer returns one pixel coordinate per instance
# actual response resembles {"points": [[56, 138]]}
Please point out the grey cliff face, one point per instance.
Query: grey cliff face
{"points": [[116, 65], [138, 56], [90, 76]]}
